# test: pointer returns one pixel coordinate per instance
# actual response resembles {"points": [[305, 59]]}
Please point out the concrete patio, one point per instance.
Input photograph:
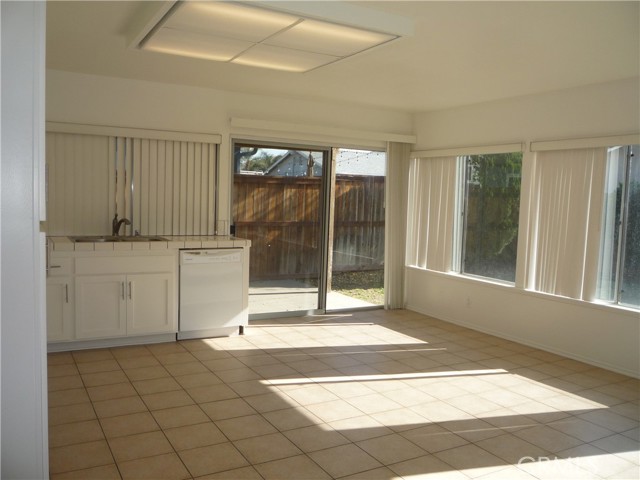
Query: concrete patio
{"points": [[269, 296]]}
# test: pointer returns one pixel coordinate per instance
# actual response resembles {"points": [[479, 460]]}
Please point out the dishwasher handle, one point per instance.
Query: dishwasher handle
{"points": [[209, 256]]}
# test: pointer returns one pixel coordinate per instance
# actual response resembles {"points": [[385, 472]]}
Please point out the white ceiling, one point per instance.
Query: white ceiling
{"points": [[460, 53]]}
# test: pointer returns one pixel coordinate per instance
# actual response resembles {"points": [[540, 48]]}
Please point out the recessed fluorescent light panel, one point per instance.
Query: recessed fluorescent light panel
{"points": [[255, 36]]}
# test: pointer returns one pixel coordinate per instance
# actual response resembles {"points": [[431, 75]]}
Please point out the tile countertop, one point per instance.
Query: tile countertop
{"points": [[64, 244]]}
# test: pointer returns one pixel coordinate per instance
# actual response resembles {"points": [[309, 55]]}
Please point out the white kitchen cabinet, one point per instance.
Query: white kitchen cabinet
{"points": [[60, 298], [150, 303], [101, 309], [119, 305]]}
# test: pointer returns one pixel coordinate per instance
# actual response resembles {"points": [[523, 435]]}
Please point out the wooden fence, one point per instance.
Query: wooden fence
{"points": [[281, 216]]}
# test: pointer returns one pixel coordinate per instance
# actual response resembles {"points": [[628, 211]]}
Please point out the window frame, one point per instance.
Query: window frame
{"points": [[621, 229], [461, 217]]}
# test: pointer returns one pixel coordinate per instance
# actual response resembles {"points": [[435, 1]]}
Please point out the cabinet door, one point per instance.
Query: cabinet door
{"points": [[100, 306], [59, 309], [150, 307]]}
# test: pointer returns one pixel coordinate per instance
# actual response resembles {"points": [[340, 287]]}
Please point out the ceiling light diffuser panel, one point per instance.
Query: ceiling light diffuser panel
{"points": [[197, 45], [286, 59], [258, 37], [327, 38], [229, 20]]}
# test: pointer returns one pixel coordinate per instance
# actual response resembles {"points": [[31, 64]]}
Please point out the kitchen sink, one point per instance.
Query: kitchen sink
{"points": [[114, 238]]}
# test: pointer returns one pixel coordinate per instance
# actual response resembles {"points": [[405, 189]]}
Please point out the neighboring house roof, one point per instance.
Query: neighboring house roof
{"points": [[294, 163]]}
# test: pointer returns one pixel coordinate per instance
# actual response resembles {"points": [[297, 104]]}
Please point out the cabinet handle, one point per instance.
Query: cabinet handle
{"points": [[66, 293], [122, 289], [130, 290], [51, 267]]}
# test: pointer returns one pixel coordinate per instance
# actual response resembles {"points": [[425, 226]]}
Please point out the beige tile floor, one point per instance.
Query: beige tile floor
{"points": [[370, 395]]}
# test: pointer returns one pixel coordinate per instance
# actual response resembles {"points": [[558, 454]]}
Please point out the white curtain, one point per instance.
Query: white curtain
{"points": [[396, 223], [565, 219], [431, 213]]}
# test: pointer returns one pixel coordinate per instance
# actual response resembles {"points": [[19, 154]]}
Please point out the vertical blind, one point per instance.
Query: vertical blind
{"points": [[396, 223], [566, 206], [77, 171], [165, 187], [431, 212]]}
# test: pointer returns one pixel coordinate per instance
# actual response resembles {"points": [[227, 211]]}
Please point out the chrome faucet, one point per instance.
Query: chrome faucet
{"points": [[116, 224]]}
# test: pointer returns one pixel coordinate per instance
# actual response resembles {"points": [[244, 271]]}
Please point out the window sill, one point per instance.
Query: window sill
{"points": [[466, 277], [604, 306], [617, 306]]}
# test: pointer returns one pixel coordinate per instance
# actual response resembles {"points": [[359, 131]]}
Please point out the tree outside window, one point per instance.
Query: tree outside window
{"points": [[491, 213]]}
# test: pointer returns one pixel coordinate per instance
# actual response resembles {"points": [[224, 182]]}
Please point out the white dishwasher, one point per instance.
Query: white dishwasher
{"points": [[211, 293]]}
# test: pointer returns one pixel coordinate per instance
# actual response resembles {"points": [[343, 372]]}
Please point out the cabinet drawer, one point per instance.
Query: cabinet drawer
{"points": [[117, 265], [60, 266]]}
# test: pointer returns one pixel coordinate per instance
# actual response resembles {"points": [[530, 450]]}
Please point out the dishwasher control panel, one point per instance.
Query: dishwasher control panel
{"points": [[210, 256]]}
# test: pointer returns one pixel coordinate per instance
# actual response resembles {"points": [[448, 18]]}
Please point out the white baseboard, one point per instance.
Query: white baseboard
{"points": [[527, 342], [110, 342]]}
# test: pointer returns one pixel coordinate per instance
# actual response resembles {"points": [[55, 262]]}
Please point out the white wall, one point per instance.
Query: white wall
{"points": [[24, 394], [98, 100], [601, 335], [595, 110], [595, 334], [92, 99]]}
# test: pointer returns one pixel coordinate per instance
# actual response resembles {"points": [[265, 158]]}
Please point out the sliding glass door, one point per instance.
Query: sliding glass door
{"points": [[278, 205], [356, 233], [315, 218]]}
